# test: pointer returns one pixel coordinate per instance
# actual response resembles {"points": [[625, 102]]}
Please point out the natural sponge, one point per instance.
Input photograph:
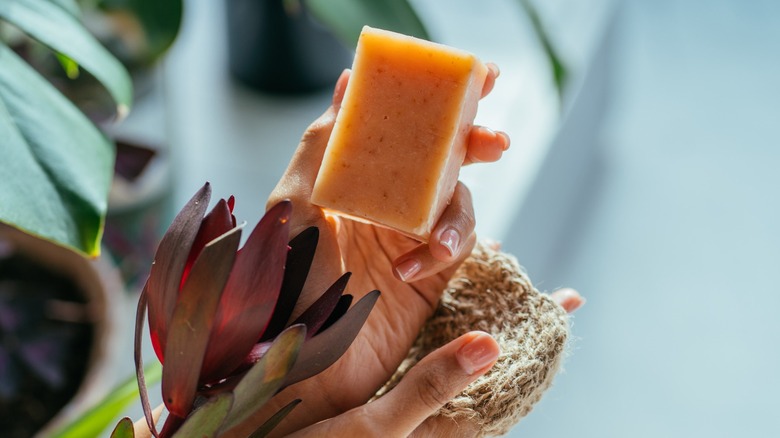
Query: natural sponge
{"points": [[490, 292]]}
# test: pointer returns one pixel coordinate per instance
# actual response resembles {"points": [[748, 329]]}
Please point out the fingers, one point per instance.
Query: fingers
{"points": [[485, 145], [490, 79], [451, 241], [430, 384], [434, 381], [568, 298], [297, 182]]}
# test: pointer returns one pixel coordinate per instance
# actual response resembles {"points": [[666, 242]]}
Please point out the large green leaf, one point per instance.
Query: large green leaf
{"points": [[56, 165], [96, 420], [57, 28], [345, 18]]}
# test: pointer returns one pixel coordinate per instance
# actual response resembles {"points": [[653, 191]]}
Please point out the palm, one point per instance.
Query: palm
{"points": [[368, 252]]}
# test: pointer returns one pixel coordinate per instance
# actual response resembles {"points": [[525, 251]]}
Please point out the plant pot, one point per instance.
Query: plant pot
{"points": [[80, 299], [276, 48]]}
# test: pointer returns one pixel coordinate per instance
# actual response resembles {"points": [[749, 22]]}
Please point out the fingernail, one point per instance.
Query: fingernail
{"points": [[507, 142], [408, 269], [494, 68], [450, 239], [478, 353], [569, 299]]}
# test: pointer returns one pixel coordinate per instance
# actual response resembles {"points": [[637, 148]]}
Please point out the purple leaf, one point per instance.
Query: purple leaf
{"points": [[140, 315], [316, 315], [275, 419], [218, 222], [168, 266], [299, 259], [321, 351], [9, 375], [250, 294], [266, 377], [193, 320], [206, 420], [44, 356], [341, 308]]}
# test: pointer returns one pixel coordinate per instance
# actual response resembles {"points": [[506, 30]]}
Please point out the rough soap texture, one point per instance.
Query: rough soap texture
{"points": [[400, 136], [490, 292]]}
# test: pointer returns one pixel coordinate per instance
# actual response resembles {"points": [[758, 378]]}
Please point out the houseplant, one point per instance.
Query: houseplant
{"points": [[60, 327], [58, 168]]}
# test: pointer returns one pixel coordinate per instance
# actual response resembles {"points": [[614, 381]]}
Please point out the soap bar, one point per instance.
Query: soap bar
{"points": [[401, 133]]}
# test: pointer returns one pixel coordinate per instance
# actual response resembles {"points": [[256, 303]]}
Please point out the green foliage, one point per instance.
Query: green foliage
{"points": [[105, 412], [559, 71], [124, 429], [57, 186], [345, 18]]}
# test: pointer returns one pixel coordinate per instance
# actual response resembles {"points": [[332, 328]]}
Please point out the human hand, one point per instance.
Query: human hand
{"points": [[409, 408], [411, 275]]}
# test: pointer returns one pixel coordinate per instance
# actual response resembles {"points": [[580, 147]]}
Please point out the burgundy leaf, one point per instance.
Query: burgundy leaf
{"points": [[316, 315], [168, 266], [140, 315], [275, 419], [172, 424], [341, 308], [193, 320], [218, 222], [266, 377], [299, 259], [250, 294], [321, 351]]}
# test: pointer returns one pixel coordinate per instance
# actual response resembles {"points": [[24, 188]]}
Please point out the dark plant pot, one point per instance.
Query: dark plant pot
{"points": [[277, 50], [82, 301]]}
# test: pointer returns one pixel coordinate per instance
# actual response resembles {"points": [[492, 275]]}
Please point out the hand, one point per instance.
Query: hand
{"points": [[440, 376], [411, 275]]}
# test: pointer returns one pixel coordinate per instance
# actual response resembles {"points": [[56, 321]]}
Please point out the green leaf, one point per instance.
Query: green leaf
{"points": [[275, 419], [206, 420], [70, 66], [124, 429], [559, 71], [265, 378], [99, 417], [70, 6], [159, 19], [57, 165], [55, 27], [346, 18]]}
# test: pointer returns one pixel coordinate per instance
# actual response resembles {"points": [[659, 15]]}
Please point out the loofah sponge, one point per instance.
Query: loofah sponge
{"points": [[491, 292]]}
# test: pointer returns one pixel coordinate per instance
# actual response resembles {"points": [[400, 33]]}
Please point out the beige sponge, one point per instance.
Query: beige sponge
{"points": [[490, 292]]}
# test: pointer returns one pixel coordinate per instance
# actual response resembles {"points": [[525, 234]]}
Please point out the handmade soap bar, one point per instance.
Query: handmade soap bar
{"points": [[400, 136]]}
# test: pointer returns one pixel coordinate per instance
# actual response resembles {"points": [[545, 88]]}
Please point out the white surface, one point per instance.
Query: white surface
{"points": [[677, 245]]}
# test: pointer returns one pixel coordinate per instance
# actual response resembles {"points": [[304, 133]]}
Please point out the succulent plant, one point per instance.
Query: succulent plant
{"points": [[219, 317]]}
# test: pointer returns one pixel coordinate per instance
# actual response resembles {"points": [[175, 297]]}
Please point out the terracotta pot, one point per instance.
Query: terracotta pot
{"points": [[103, 289]]}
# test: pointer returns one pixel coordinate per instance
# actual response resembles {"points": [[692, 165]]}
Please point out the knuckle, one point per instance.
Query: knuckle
{"points": [[432, 389]]}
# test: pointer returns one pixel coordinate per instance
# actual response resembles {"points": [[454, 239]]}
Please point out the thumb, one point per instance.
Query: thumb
{"points": [[434, 381]]}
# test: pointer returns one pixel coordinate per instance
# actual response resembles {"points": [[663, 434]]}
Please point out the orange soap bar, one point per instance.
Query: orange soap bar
{"points": [[400, 136]]}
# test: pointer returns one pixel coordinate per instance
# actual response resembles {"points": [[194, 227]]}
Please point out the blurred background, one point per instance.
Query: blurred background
{"points": [[642, 172]]}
